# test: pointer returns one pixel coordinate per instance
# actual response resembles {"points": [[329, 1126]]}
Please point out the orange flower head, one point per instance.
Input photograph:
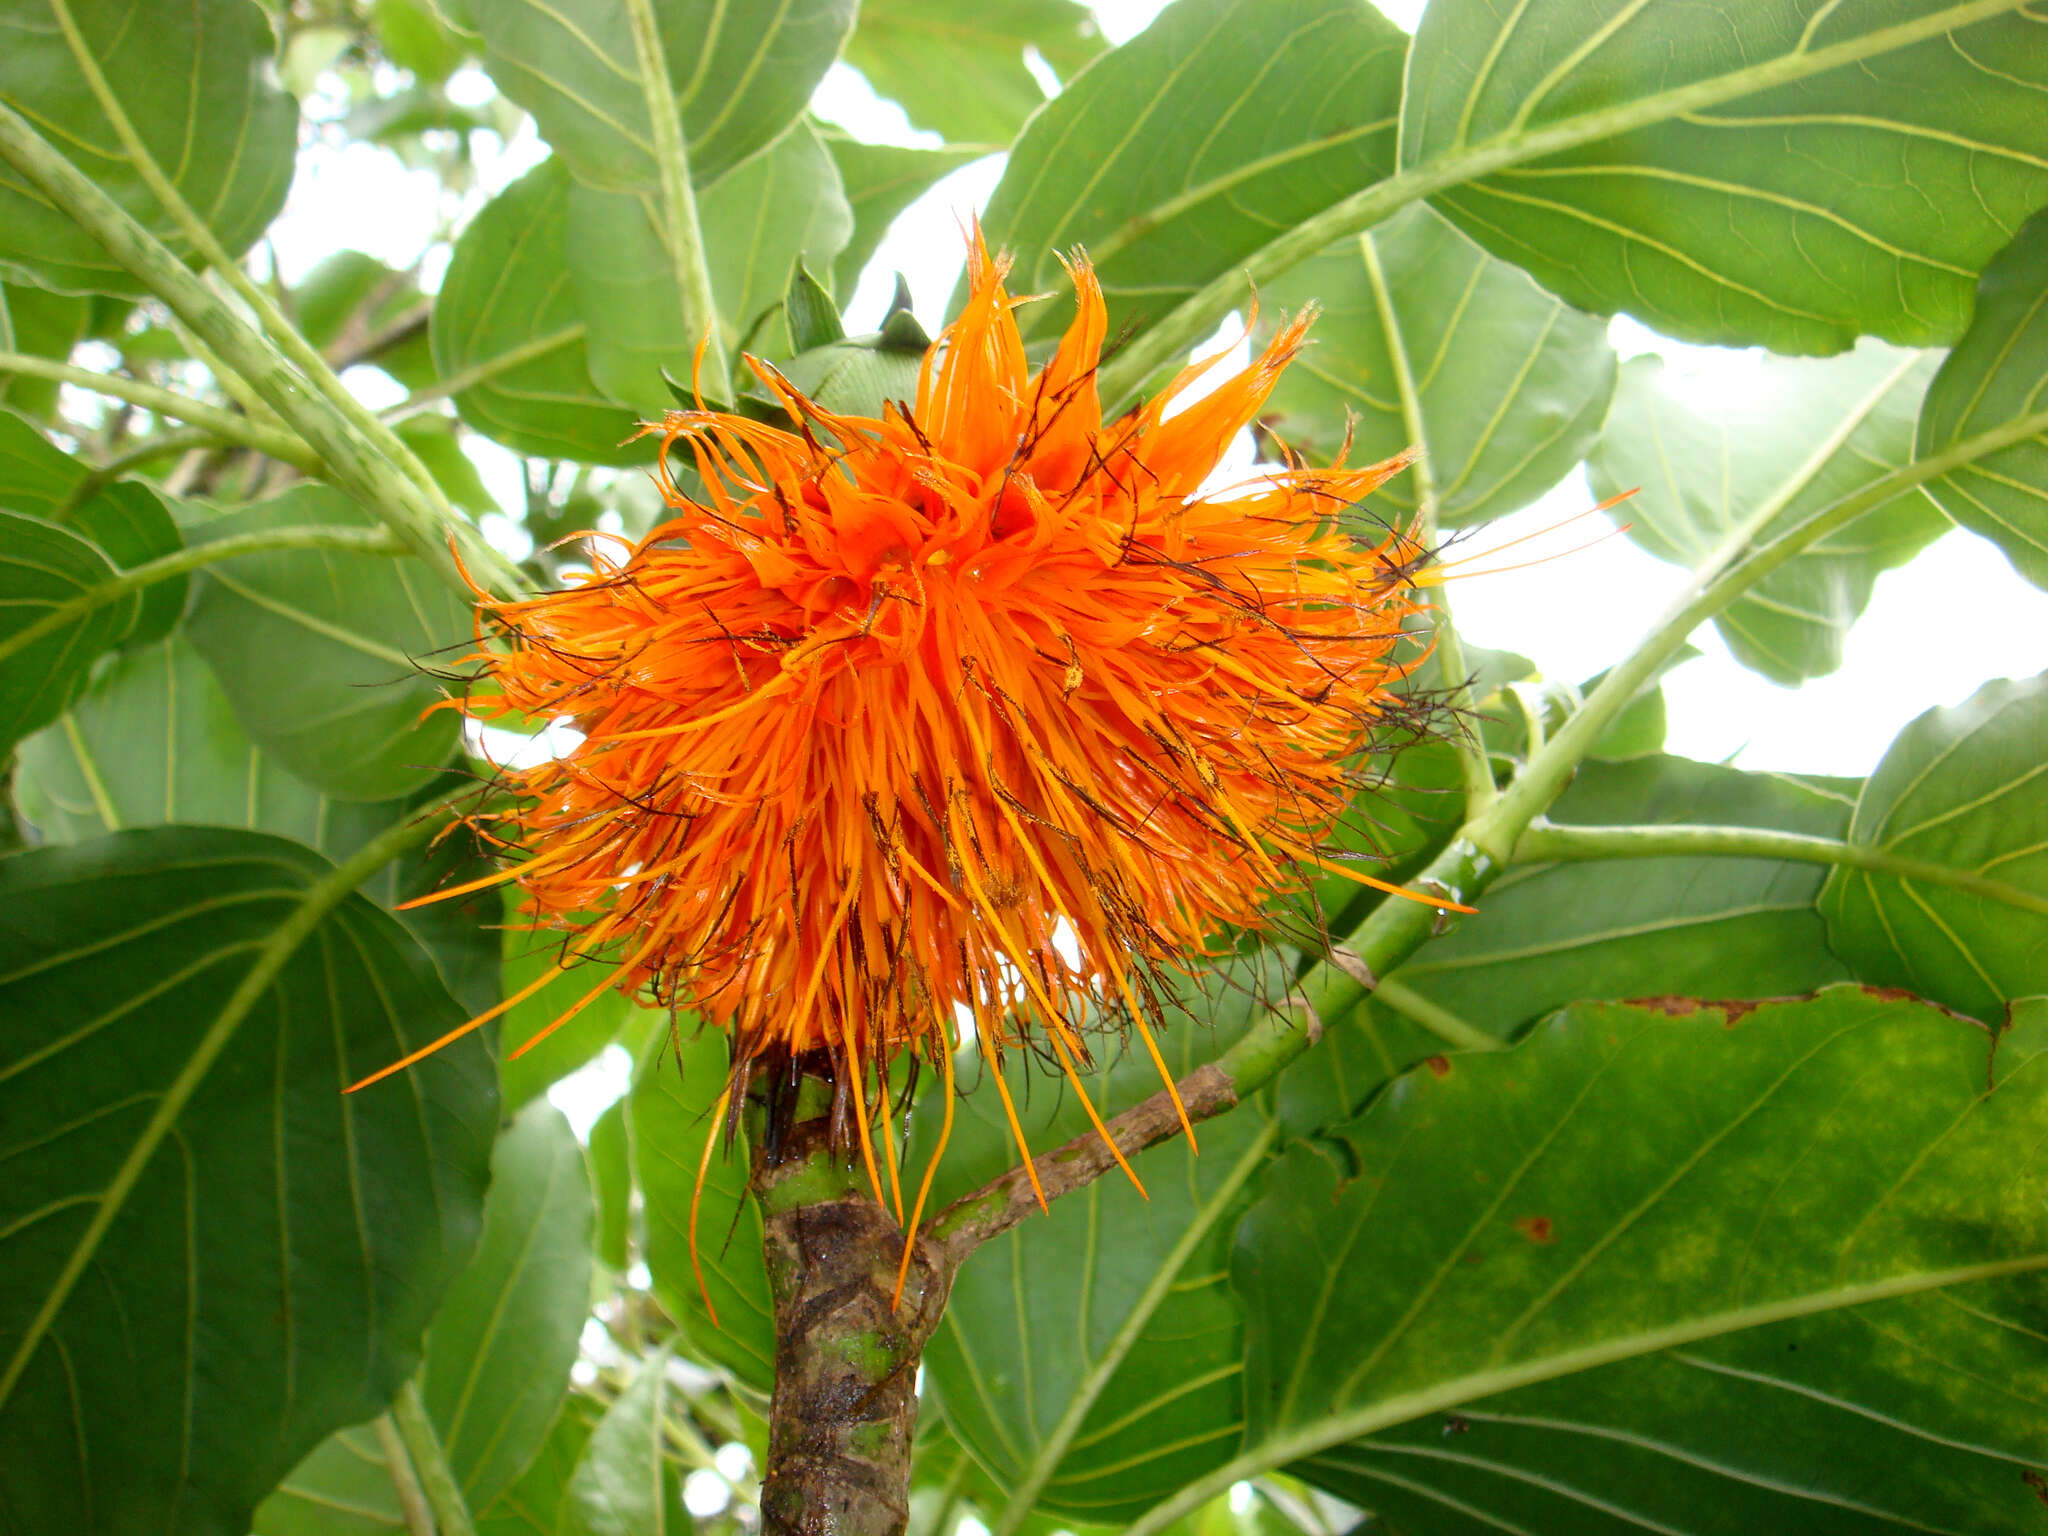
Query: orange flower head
{"points": [[985, 709]]}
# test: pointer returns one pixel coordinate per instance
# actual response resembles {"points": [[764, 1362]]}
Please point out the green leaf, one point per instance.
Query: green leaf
{"points": [[1800, 434], [127, 520], [321, 651], [43, 567], [808, 312], [154, 741], [779, 206], [498, 1353], [742, 74], [1549, 934], [415, 39], [1999, 371], [668, 1120], [343, 1489], [1965, 787], [1092, 1356], [1185, 150], [507, 295], [35, 474], [1359, 1054], [1821, 1196], [434, 440], [1510, 385], [527, 953], [44, 324], [532, 1506], [959, 71], [619, 1485], [880, 181], [1796, 213], [215, 1258], [131, 524], [611, 1177], [334, 290], [200, 94]]}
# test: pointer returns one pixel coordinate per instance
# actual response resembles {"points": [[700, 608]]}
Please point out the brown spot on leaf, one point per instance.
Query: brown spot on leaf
{"points": [[1457, 1424], [1733, 1010], [1668, 1003], [1440, 1065], [2037, 1482], [1537, 1229]]}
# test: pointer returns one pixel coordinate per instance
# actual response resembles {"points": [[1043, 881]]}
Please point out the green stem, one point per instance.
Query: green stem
{"points": [[161, 445], [281, 332], [1450, 652], [684, 235], [365, 541], [1547, 841], [444, 1493], [365, 472], [221, 424], [412, 1500], [1165, 342]]}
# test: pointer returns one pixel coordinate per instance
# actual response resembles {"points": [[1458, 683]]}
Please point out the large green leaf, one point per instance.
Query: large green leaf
{"points": [[611, 1180], [214, 1258], [35, 475], [1510, 385], [959, 70], [42, 324], [1183, 151], [127, 520], [1798, 435], [1999, 371], [498, 1353], [508, 294], [1835, 1196], [780, 205], [1763, 196], [741, 74], [880, 181], [154, 741], [1546, 935], [1967, 788], [1090, 1358], [668, 1120], [620, 1486], [43, 567], [532, 1506], [199, 91], [322, 652]]}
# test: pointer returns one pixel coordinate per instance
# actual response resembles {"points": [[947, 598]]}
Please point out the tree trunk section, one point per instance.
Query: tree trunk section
{"points": [[845, 1405]]}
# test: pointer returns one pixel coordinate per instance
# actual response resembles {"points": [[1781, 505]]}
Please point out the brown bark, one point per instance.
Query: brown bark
{"points": [[845, 1406]]}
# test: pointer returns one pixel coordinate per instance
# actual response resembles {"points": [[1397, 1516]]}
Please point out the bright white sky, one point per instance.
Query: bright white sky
{"points": [[1934, 632]]}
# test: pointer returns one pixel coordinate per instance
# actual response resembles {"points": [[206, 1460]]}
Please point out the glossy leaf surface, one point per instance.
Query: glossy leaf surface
{"points": [[190, 1191]]}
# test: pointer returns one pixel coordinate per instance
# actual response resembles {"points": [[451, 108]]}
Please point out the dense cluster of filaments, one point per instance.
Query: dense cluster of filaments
{"points": [[981, 710]]}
